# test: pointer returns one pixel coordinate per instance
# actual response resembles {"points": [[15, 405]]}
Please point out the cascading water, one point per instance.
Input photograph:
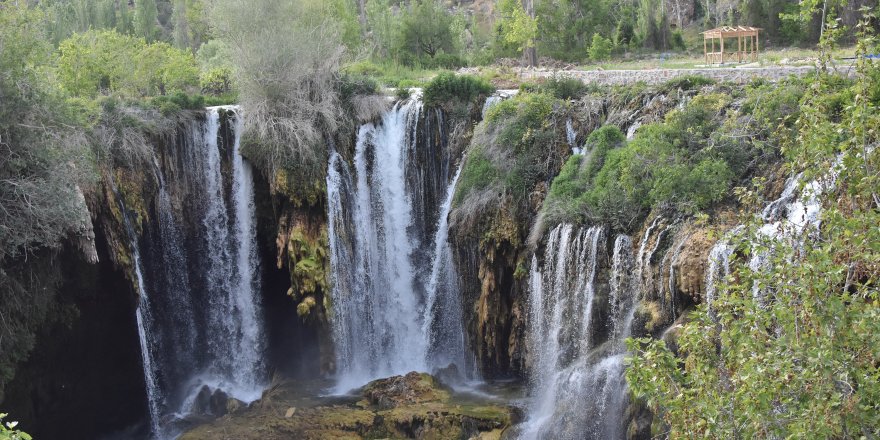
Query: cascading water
{"points": [[571, 137], [797, 210], [442, 321], [578, 388], [396, 309], [199, 313], [143, 317]]}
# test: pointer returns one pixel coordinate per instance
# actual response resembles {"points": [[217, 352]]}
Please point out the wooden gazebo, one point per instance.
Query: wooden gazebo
{"points": [[747, 45]]}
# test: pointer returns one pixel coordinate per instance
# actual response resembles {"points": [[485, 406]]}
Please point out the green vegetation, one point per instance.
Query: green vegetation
{"points": [[45, 163], [560, 87], [427, 29], [800, 360], [519, 144], [600, 48], [98, 62], [688, 163], [8, 431], [448, 87]]}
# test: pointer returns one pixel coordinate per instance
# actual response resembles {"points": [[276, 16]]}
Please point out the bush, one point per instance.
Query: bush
{"points": [[443, 61], [600, 48], [478, 173], [351, 85], [364, 68], [8, 431], [598, 144], [568, 198], [688, 82], [677, 41], [520, 145], [169, 105], [677, 164], [217, 81], [448, 87], [564, 88]]}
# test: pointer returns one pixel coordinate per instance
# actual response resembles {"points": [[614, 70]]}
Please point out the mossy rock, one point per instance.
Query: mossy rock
{"points": [[398, 391], [412, 406]]}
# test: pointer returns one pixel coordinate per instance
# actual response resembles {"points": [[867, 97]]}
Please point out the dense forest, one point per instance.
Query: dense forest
{"points": [[748, 306]]}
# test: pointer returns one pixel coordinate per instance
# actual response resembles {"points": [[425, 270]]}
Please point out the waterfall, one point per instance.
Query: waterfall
{"points": [[719, 267], [490, 102], [571, 137], [622, 299], [199, 317], [442, 321], [396, 304], [796, 211], [577, 384], [143, 317]]}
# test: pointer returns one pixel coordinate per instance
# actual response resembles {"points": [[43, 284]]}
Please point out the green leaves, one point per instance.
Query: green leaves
{"points": [[448, 87], [8, 432], [101, 62], [517, 27], [802, 360]]}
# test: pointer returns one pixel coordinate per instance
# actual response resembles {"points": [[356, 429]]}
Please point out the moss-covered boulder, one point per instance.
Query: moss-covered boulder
{"points": [[413, 406]]}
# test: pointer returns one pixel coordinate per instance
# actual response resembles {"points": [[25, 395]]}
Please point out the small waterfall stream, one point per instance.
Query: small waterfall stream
{"points": [[577, 383], [197, 270], [143, 317], [397, 307]]}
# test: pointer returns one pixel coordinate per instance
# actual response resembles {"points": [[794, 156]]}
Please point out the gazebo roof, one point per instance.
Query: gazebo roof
{"points": [[731, 31]]}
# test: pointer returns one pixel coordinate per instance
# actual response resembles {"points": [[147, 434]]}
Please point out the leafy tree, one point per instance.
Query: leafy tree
{"points": [[97, 62], [600, 48], [518, 26], [427, 28], [45, 165], [385, 28]]}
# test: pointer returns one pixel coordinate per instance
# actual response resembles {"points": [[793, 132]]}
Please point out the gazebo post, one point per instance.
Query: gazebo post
{"points": [[722, 48], [739, 50], [757, 45], [705, 52]]}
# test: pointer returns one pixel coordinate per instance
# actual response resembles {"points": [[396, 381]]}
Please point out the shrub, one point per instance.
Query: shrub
{"points": [[448, 87], [217, 81], [520, 144], [688, 82], [677, 41], [600, 48], [565, 88], [771, 104], [478, 173], [171, 104], [365, 68], [599, 143], [443, 61], [8, 431]]}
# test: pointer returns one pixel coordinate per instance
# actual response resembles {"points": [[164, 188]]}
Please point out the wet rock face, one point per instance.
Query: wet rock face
{"points": [[690, 264], [413, 406]]}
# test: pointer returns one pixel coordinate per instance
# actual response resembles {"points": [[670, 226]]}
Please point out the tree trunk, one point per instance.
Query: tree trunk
{"points": [[530, 53]]}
